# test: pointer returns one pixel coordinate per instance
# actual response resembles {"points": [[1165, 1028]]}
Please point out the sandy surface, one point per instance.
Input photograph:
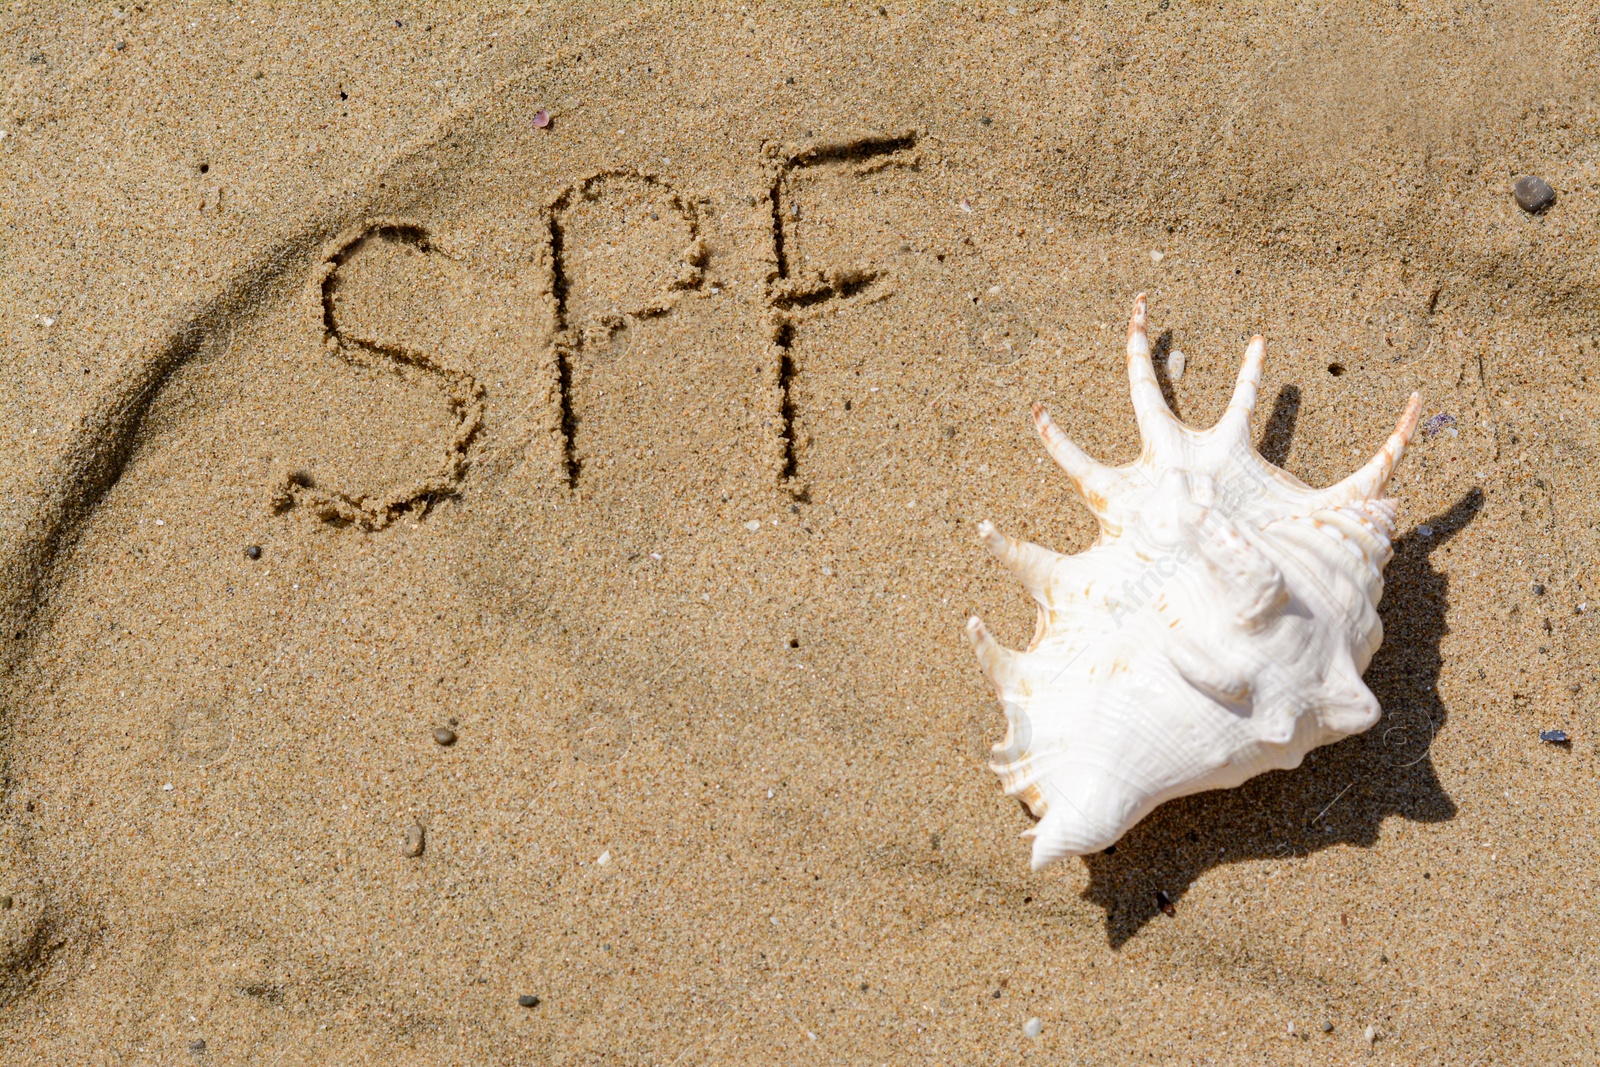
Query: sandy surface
{"points": [[644, 450]]}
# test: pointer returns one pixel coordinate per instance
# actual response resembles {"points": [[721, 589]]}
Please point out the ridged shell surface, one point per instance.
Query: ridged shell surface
{"points": [[1217, 629]]}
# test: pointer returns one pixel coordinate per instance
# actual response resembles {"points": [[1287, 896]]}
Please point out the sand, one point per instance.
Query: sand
{"points": [[644, 450]]}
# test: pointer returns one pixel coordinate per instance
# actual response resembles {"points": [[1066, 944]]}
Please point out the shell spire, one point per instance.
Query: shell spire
{"points": [[1218, 628]]}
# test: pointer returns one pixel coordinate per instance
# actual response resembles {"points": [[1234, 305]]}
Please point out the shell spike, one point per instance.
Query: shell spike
{"points": [[1031, 563], [1157, 426], [1369, 482], [1236, 420], [1094, 480], [999, 663]]}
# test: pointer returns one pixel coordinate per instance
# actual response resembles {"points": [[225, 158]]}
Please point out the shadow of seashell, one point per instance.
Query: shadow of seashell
{"points": [[1340, 795]]}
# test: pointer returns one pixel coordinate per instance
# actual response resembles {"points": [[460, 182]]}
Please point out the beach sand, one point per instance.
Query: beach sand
{"points": [[643, 449]]}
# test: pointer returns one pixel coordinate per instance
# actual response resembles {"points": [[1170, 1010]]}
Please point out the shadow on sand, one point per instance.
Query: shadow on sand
{"points": [[1341, 793]]}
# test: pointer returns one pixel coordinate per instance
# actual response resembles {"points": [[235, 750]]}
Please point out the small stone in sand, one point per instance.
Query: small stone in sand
{"points": [[1033, 1027], [443, 735], [6, 902], [1371, 1035], [1327, 1028], [1538, 589], [253, 551], [197, 1045], [528, 1000], [416, 841], [1554, 737], [1533, 194]]}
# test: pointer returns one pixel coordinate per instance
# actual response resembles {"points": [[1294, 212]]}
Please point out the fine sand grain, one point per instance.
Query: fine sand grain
{"points": [[643, 450]]}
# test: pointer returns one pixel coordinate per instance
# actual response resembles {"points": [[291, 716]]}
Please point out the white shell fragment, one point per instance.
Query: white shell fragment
{"points": [[1217, 629]]}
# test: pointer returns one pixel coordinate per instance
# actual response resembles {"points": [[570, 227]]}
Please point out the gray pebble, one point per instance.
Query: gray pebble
{"points": [[253, 551], [443, 735], [1533, 194], [198, 1045], [416, 840], [1327, 1028], [528, 1000]]}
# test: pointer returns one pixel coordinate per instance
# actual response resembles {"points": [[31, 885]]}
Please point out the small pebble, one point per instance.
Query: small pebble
{"points": [[443, 735], [1033, 1027], [1533, 194], [1538, 589], [197, 1045], [1425, 530], [1164, 902], [1327, 1028], [753, 525], [1439, 422], [6, 902], [528, 1000], [253, 552], [416, 840], [541, 118], [1176, 362], [986, 120], [1371, 1034], [1554, 737]]}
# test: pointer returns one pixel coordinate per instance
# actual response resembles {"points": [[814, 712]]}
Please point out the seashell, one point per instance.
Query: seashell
{"points": [[1217, 629]]}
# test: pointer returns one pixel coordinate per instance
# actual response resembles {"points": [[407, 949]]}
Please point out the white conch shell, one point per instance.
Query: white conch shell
{"points": [[1217, 629]]}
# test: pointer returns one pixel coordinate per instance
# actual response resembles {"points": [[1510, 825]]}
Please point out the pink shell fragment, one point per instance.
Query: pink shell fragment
{"points": [[541, 118]]}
